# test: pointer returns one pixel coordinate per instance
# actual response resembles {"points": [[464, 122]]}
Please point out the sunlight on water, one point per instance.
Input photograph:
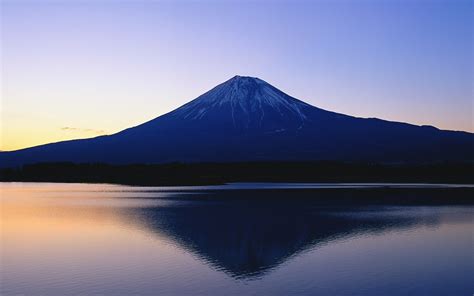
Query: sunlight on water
{"points": [[68, 239]]}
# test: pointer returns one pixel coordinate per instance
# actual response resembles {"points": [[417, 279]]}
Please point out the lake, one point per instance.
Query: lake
{"points": [[236, 239]]}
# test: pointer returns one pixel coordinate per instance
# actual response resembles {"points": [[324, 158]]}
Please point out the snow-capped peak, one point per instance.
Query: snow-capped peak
{"points": [[248, 101]]}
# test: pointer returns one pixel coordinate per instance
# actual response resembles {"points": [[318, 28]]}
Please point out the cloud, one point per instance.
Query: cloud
{"points": [[83, 130]]}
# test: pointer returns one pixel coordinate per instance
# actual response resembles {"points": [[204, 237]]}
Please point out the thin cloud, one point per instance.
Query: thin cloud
{"points": [[84, 130]]}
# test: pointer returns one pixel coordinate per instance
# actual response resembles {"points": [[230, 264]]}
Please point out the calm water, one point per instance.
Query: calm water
{"points": [[71, 239]]}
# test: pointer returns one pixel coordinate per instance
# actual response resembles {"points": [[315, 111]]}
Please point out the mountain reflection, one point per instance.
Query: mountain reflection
{"points": [[249, 236]]}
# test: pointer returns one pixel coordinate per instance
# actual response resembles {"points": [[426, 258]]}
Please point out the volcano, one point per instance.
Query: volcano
{"points": [[246, 119]]}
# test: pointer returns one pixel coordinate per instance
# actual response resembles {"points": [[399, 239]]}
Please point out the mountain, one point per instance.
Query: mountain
{"points": [[247, 119]]}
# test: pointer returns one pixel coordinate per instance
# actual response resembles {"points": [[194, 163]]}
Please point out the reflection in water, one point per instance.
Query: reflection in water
{"points": [[246, 240], [102, 239]]}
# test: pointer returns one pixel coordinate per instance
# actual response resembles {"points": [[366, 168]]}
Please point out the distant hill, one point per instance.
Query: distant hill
{"points": [[247, 119]]}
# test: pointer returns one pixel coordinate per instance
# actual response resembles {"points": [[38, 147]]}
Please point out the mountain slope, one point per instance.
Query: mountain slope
{"points": [[247, 119]]}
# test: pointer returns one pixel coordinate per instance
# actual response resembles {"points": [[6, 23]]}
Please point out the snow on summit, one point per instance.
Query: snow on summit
{"points": [[249, 102]]}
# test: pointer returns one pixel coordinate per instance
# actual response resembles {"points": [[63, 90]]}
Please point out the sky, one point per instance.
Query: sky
{"points": [[78, 69]]}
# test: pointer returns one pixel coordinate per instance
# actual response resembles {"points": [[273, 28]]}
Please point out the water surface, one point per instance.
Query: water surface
{"points": [[238, 239]]}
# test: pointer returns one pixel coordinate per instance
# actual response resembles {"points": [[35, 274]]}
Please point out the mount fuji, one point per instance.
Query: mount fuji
{"points": [[247, 119]]}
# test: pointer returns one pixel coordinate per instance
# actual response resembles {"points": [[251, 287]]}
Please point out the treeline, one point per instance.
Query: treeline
{"points": [[217, 173]]}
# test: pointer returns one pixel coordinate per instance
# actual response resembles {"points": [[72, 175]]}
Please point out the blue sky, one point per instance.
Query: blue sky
{"points": [[73, 69]]}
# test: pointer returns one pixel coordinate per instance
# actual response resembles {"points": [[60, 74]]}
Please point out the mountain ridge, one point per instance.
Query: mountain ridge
{"points": [[247, 119]]}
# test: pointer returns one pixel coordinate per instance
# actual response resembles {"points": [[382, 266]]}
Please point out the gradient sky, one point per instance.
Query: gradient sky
{"points": [[75, 69]]}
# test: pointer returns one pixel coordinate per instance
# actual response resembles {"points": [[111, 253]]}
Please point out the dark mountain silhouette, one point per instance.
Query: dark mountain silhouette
{"points": [[247, 119]]}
